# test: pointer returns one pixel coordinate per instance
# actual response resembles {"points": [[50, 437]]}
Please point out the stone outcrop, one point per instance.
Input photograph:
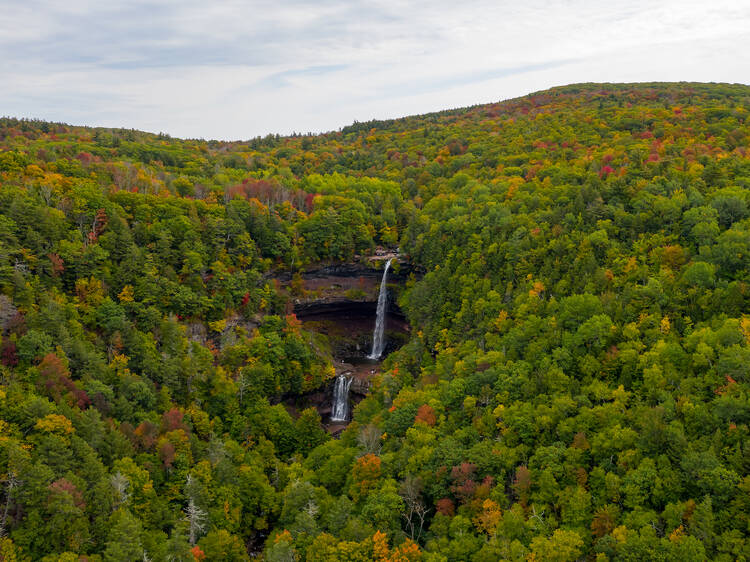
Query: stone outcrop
{"points": [[360, 386]]}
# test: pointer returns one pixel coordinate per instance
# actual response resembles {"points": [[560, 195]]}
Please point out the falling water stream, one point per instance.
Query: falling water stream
{"points": [[377, 337], [340, 411]]}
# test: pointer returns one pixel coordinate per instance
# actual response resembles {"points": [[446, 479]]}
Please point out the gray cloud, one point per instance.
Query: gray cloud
{"points": [[235, 69], [483, 75], [283, 79]]}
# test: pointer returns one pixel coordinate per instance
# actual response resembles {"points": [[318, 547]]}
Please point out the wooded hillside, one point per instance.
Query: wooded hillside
{"points": [[575, 385]]}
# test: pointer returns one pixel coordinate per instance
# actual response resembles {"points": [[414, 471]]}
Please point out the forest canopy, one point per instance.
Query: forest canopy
{"points": [[574, 386]]}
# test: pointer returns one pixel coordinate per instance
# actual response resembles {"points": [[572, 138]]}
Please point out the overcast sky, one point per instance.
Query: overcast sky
{"points": [[232, 69]]}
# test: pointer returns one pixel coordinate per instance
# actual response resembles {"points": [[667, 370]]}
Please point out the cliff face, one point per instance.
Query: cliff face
{"points": [[341, 283], [340, 301]]}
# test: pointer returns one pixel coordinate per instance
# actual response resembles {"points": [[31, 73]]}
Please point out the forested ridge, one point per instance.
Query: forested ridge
{"points": [[575, 385]]}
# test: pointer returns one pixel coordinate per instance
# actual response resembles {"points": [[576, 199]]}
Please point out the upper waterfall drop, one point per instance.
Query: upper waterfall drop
{"points": [[377, 337]]}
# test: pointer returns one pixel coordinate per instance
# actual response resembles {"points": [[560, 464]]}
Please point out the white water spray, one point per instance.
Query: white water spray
{"points": [[377, 337], [340, 411]]}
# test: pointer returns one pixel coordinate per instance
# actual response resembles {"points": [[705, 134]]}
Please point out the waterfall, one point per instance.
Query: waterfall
{"points": [[340, 411], [377, 336]]}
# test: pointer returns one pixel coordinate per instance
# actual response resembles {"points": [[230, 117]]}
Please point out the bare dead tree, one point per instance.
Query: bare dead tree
{"points": [[370, 439], [311, 508], [196, 518], [45, 192], [7, 311], [120, 484], [243, 383], [539, 518], [194, 515], [11, 483], [415, 511], [216, 450]]}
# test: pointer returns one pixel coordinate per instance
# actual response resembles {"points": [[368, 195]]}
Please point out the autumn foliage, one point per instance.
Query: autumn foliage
{"points": [[569, 310]]}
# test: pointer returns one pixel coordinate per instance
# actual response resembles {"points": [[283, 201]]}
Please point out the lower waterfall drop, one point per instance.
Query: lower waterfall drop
{"points": [[340, 410]]}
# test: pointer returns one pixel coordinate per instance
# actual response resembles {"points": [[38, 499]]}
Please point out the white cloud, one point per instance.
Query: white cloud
{"points": [[236, 69]]}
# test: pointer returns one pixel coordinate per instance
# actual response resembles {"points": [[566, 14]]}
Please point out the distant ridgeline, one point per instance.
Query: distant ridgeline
{"points": [[575, 385]]}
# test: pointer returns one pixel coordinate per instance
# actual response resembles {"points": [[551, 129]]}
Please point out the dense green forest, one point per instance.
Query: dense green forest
{"points": [[575, 385]]}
